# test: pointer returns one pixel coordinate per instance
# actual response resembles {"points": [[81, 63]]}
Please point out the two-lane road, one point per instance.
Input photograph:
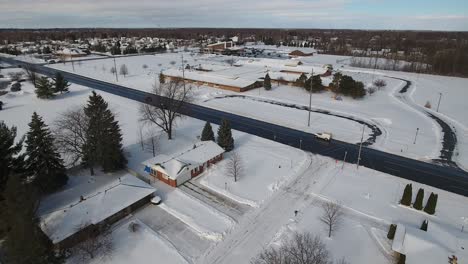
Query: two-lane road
{"points": [[443, 177]]}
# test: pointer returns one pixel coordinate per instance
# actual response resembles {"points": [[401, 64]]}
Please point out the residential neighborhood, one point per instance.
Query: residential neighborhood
{"points": [[233, 132]]}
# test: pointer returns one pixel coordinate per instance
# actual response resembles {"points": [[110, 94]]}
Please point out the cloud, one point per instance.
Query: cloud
{"points": [[212, 13]]}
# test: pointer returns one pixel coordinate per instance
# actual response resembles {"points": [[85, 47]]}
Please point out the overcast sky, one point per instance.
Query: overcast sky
{"points": [[357, 14]]}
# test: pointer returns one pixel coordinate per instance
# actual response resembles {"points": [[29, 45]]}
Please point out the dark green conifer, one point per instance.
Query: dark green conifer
{"points": [[207, 133], [424, 225], [60, 83], [407, 195], [44, 89], [44, 164], [10, 160], [418, 203], [431, 204], [225, 139], [267, 82]]}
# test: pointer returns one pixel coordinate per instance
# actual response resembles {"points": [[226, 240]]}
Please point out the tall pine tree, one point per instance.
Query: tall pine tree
{"points": [[43, 162], [207, 133], [25, 243], [60, 83], [44, 89], [225, 139], [103, 137], [162, 78], [267, 82], [431, 204], [10, 160]]}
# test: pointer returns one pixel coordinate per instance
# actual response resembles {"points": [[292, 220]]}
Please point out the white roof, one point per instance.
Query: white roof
{"points": [[211, 77], [95, 207], [192, 157], [431, 247]]}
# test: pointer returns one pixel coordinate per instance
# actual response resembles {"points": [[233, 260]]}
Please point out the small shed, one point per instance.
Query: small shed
{"points": [[177, 169]]}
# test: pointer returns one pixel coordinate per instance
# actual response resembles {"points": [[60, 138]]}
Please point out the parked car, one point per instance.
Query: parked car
{"points": [[156, 200], [325, 136]]}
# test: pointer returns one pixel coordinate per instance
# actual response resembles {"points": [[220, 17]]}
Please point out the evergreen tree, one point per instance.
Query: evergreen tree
{"points": [[44, 89], [418, 203], [267, 82], [431, 204], [162, 78], [225, 139], [391, 231], [103, 137], [317, 84], [25, 243], [424, 225], [207, 133], [301, 80], [407, 195], [10, 160], [43, 162], [60, 83]]}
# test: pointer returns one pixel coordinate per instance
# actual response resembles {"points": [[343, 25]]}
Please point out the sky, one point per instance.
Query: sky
{"points": [[447, 15]]}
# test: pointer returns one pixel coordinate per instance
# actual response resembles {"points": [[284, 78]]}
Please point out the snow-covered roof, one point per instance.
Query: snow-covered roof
{"points": [[194, 156], [71, 51], [210, 77], [433, 246], [96, 207]]}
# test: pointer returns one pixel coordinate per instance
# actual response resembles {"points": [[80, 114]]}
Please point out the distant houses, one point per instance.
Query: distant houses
{"points": [[175, 170]]}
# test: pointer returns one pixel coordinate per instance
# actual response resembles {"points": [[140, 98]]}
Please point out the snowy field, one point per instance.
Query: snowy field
{"points": [[397, 120]]}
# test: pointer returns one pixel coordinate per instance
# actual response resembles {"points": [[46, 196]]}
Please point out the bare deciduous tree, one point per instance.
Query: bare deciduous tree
{"points": [[300, 249], [31, 73], [96, 244], [164, 112], [331, 216], [113, 70], [70, 134], [234, 166], [379, 83], [15, 76], [123, 70]]}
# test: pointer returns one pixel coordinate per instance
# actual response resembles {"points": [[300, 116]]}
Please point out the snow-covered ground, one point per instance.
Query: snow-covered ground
{"points": [[136, 247], [397, 120]]}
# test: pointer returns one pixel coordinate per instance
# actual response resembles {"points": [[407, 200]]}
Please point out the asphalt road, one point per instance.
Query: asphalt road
{"points": [[444, 177]]}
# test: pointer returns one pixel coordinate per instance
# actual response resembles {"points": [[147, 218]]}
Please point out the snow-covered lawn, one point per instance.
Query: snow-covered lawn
{"points": [[266, 167], [136, 247]]}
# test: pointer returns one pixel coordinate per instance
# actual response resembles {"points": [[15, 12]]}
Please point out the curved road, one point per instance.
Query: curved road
{"points": [[448, 178]]}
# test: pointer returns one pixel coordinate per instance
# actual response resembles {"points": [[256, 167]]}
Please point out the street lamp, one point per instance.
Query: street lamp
{"points": [[310, 96], [440, 98], [416, 136]]}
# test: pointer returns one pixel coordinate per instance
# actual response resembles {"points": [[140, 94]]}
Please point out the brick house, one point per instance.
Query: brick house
{"points": [[179, 168]]}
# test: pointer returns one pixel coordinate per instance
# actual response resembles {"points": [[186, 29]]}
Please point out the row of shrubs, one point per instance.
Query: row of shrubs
{"points": [[418, 203]]}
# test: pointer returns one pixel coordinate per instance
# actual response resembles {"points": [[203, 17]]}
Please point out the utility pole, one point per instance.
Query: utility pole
{"points": [[344, 159], [183, 71], [360, 147], [115, 67], [416, 136], [310, 96], [73, 64], [440, 98]]}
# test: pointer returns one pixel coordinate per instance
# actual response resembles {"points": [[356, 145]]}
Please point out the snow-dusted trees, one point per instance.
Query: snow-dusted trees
{"points": [[10, 158], [418, 203], [95, 244], [44, 88], [431, 205], [332, 214], [31, 73], [234, 167], [301, 248], [163, 112], [60, 83]]}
